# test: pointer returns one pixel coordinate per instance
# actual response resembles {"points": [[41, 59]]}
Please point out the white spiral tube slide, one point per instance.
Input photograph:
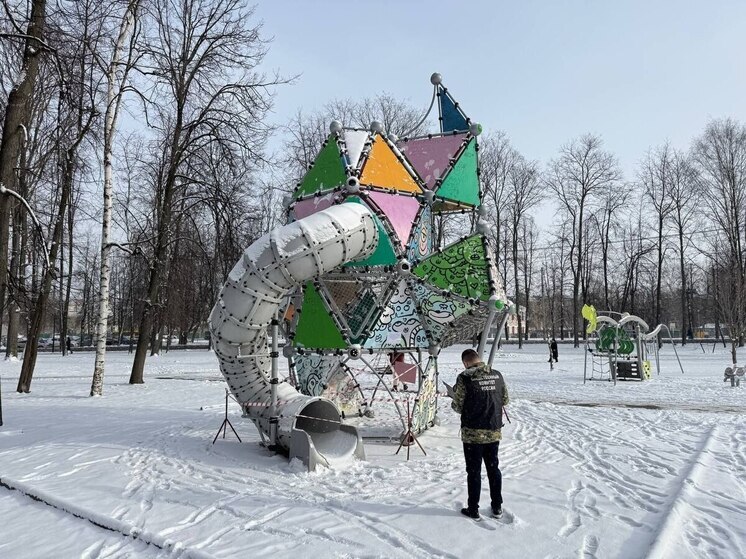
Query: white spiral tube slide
{"points": [[269, 270]]}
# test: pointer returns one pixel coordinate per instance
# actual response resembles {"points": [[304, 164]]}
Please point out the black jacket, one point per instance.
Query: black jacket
{"points": [[483, 398]]}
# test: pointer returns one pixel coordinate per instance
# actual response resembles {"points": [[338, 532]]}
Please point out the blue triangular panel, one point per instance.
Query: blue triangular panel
{"points": [[452, 118]]}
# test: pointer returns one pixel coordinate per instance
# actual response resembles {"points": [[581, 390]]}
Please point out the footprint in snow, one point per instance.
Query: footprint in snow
{"points": [[573, 523], [590, 547]]}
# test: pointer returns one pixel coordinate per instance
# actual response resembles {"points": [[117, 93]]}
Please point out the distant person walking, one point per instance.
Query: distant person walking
{"points": [[553, 350], [69, 345], [479, 396]]}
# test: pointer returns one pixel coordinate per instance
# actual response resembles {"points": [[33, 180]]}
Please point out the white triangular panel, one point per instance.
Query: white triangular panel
{"points": [[355, 142]]}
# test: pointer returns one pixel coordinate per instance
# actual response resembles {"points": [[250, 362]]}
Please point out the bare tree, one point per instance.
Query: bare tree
{"points": [[719, 156], [78, 31], [203, 56], [635, 248], [117, 68], [582, 170], [495, 163], [655, 178], [607, 218], [684, 194], [528, 239], [524, 193], [18, 113]]}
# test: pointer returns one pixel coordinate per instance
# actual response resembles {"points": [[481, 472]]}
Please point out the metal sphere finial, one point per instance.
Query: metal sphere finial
{"points": [[376, 126], [335, 127], [475, 129], [352, 185], [436, 79]]}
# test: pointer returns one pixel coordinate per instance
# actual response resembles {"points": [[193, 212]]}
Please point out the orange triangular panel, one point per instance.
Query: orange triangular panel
{"points": [[383, 169]]}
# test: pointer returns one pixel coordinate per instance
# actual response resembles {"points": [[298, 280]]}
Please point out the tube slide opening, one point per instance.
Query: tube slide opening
{"points": [[334, 442], [319, 416]]}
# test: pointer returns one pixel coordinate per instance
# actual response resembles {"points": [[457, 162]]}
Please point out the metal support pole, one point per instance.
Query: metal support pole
{"points": [[640, 355], [673, 345], [274, 380], [585, 360], [614, 359], [486, 331], [498, 335], [657, 359]]}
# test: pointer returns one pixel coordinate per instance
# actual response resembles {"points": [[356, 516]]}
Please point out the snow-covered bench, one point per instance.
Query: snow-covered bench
{"points": [[734, 375]]}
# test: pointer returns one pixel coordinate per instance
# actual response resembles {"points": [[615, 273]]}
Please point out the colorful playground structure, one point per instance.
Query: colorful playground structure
{"points": [[356, 282], [620, 346]]}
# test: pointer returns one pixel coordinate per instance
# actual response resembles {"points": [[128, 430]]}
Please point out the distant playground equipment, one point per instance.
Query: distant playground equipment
{"points": [[620, 348], [356, 282], [734, 374]]}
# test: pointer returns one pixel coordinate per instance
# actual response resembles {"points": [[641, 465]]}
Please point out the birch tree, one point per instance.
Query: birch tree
{"points": [[117, 69]]}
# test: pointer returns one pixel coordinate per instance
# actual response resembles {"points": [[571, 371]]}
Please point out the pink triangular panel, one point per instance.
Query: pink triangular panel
{"points": [[430, 156], [400, 211], [309, 206]]}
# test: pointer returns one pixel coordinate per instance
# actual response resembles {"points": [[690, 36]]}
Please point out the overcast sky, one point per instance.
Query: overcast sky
{"points": [[636, 73]]}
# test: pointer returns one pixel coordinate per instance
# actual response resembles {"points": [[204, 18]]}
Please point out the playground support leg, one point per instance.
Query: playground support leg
{"points": [[486, 331], [674, 349], [496, 341], [585, 361]]}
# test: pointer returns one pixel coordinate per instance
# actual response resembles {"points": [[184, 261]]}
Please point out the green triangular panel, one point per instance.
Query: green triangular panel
{"points": [[327, 172], [384, 254], [462, 183], [315, 327], [461, 268]]}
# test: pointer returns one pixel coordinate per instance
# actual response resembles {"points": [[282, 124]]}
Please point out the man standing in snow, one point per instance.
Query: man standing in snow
{"points": [[479, 396]]}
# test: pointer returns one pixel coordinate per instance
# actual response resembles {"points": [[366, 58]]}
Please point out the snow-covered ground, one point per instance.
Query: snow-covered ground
{"points": [[654, 469]]}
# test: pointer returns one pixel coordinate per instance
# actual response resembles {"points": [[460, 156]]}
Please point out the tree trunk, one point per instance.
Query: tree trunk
{"points": [[64, 297], [605, 256], [102, 324], [659, 279], [517, 283], [113, 100], [11, 346], [577, 277], [17, 115], [37, 316], [156, 271], [682, 269]]}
